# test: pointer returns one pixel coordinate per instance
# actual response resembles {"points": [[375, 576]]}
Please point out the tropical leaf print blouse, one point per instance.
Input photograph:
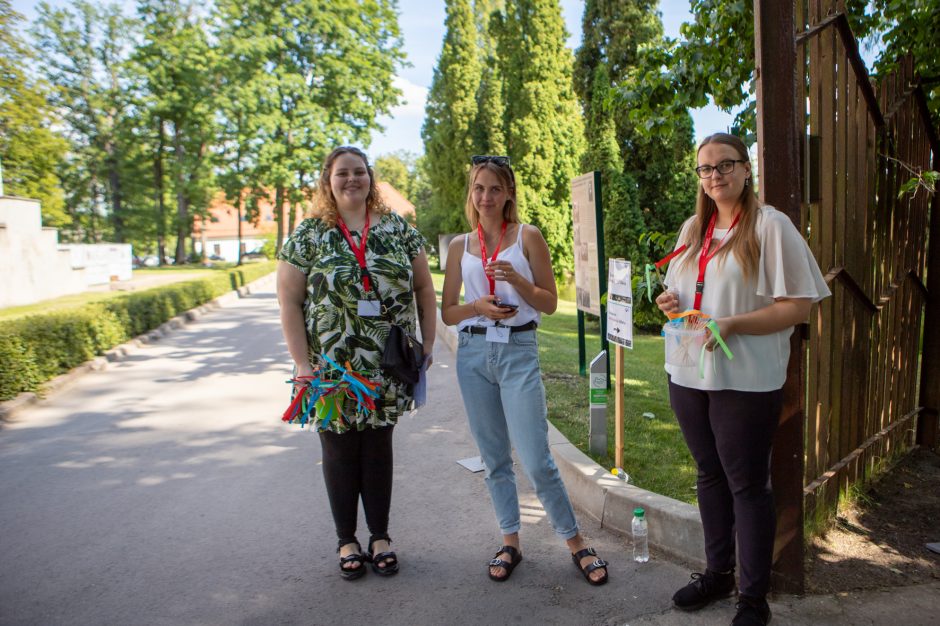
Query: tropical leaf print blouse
{"points": [[334, 288]]}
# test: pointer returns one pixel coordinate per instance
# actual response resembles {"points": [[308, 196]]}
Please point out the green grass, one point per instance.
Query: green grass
{"points": [[655, 455]]}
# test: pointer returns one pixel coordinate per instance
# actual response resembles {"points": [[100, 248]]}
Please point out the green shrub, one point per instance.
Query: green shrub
{"points": [[36, 348]]}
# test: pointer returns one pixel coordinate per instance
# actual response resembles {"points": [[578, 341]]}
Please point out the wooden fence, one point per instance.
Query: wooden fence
{"points": [[855, 393], [864, 343]]}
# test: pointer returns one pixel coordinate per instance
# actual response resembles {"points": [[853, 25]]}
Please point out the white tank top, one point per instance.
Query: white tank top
{"points": [[476, 286]]}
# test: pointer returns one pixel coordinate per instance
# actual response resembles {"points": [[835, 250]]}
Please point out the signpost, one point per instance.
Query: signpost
{"points": [[620, 333], [597, 431]]}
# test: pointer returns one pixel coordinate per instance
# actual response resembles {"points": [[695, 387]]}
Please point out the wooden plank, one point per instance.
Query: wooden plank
{"points": [[841, 392], [813, 406], [829, 439]]}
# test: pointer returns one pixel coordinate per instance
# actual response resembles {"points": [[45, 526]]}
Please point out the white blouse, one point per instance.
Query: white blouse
{"points": [[786, 269]]}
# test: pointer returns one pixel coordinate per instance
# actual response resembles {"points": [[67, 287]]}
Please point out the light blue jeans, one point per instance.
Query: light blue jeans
{"points": [[502, 390]]}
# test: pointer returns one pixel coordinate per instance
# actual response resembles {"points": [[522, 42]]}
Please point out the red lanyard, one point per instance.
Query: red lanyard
{"points": [[499, 243], [703, 257], [360, 252]]}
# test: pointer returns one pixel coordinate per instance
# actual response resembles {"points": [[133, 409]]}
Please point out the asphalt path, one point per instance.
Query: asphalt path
{"points": [[165, 490]]}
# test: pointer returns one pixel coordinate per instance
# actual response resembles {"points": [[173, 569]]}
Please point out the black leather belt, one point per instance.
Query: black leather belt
{"points": [[481, 330]]}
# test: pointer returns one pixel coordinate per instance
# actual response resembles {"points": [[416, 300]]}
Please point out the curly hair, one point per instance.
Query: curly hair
{"points": [[324, 202]]}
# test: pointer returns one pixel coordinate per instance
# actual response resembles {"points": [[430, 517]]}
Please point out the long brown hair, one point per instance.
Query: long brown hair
{"points": [[507, 178], [743, 241], [325, 204]]}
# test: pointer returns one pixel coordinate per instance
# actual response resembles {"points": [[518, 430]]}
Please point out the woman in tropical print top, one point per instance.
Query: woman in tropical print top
{"points": [[330, 306]]}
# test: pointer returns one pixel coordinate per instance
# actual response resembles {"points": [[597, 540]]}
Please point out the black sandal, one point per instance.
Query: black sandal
{"points": [[590, 567], [388, 560], [346, 568], [513, 553]]}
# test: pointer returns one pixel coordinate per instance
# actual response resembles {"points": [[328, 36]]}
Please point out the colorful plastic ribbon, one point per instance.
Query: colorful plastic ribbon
{"points": [[320, 401]]}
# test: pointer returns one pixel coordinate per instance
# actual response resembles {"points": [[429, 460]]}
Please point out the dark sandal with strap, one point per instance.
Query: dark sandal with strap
{"points": [[513, 553], [346, 568], [590, 567], [383, 563]]}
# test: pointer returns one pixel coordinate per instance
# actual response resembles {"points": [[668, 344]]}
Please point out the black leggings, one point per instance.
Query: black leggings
{"points": [[730, 434], [358, 463]]}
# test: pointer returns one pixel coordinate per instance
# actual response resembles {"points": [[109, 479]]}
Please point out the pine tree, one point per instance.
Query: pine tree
{"points": [[545, 127], [660, 165], [623, 222], [450, 126]]}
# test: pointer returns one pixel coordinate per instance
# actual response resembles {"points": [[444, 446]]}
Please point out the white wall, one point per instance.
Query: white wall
{"points": [[34, 267]]}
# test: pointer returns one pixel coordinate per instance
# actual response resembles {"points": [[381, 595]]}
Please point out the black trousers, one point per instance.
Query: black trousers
{"points": [[358, 464], [730, 434]]}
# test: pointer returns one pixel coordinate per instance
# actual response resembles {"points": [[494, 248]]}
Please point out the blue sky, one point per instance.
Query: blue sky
{"points": [[422, 26]]}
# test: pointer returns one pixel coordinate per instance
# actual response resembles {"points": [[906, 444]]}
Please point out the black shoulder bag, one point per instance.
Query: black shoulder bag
{"points": [[403, 355]]}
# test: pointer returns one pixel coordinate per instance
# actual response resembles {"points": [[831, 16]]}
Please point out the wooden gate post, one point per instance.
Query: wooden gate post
{"points": [[778, 136]]}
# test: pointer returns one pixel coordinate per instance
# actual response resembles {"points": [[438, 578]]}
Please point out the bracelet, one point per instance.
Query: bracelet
{"points": [[473, 305]]}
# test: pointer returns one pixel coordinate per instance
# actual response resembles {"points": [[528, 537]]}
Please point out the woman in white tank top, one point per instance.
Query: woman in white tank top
{"points": [[506, 271]]}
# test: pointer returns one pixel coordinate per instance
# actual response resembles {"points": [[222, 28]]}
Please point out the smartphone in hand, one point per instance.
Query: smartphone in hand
{"points": [[507, 305]]}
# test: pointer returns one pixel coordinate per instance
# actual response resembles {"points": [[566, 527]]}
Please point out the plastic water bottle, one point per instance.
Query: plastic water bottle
{"points": [[641, 547]]}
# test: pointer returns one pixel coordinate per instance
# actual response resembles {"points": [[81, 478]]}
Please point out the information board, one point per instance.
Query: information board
{"points": [[620, 303], [584, 220]]}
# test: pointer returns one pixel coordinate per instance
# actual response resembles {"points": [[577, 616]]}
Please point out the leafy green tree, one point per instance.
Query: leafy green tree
{"points": [[902, 27], [397, 169], [84, 51], [545, 129], [178, 74], [657, 188], [490, 126], [450, 122], [29, 151], [321, 72]]}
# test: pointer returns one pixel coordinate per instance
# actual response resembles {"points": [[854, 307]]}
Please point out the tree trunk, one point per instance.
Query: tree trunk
{"points": [[114, 183], [238, 217], [158, 193], [182, 207]]}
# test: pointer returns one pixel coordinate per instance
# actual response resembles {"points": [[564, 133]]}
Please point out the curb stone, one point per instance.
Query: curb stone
{"points": [[675, 528], [9, 408]]}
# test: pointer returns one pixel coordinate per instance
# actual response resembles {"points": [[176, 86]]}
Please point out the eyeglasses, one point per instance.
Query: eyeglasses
{"points": [[501, 161], [725, 167]]}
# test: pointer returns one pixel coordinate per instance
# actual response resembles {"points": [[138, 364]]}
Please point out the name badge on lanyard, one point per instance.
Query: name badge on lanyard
{"points": [[365, 307], [369, 308], [498, 334]]}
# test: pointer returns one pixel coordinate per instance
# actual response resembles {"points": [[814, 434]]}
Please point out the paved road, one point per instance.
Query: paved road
{"points": [[165, 490]]}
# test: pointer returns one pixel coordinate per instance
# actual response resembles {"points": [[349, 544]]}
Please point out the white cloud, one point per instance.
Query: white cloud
{"points": [[414, 97]]}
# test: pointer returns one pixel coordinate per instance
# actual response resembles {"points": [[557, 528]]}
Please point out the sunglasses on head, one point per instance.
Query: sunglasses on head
{"points": [[501, 161]]}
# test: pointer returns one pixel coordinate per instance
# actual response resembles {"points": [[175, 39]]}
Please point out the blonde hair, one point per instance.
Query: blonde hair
{"points": [[507, 178], [743, 241], [325, 204]]}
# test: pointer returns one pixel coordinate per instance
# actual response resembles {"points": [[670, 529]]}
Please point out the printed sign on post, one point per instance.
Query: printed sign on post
{"points": [[620, 303]]}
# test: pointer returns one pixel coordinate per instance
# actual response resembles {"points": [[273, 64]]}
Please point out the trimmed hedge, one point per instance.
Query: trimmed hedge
{"points": [[37, 348]]}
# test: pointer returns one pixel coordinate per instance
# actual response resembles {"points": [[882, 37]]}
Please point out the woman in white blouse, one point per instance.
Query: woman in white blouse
{"points": [[747, 267]]}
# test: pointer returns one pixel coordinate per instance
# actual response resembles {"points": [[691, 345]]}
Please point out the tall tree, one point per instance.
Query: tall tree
{"points": [[322, 74], [397, 169], [657, 164], [84, 50], [29, 151], [179, 76], [545, 128], [450, 122]]}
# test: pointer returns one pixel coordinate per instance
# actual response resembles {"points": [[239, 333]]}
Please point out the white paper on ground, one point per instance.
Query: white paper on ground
{"points": [[474, 464]]}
